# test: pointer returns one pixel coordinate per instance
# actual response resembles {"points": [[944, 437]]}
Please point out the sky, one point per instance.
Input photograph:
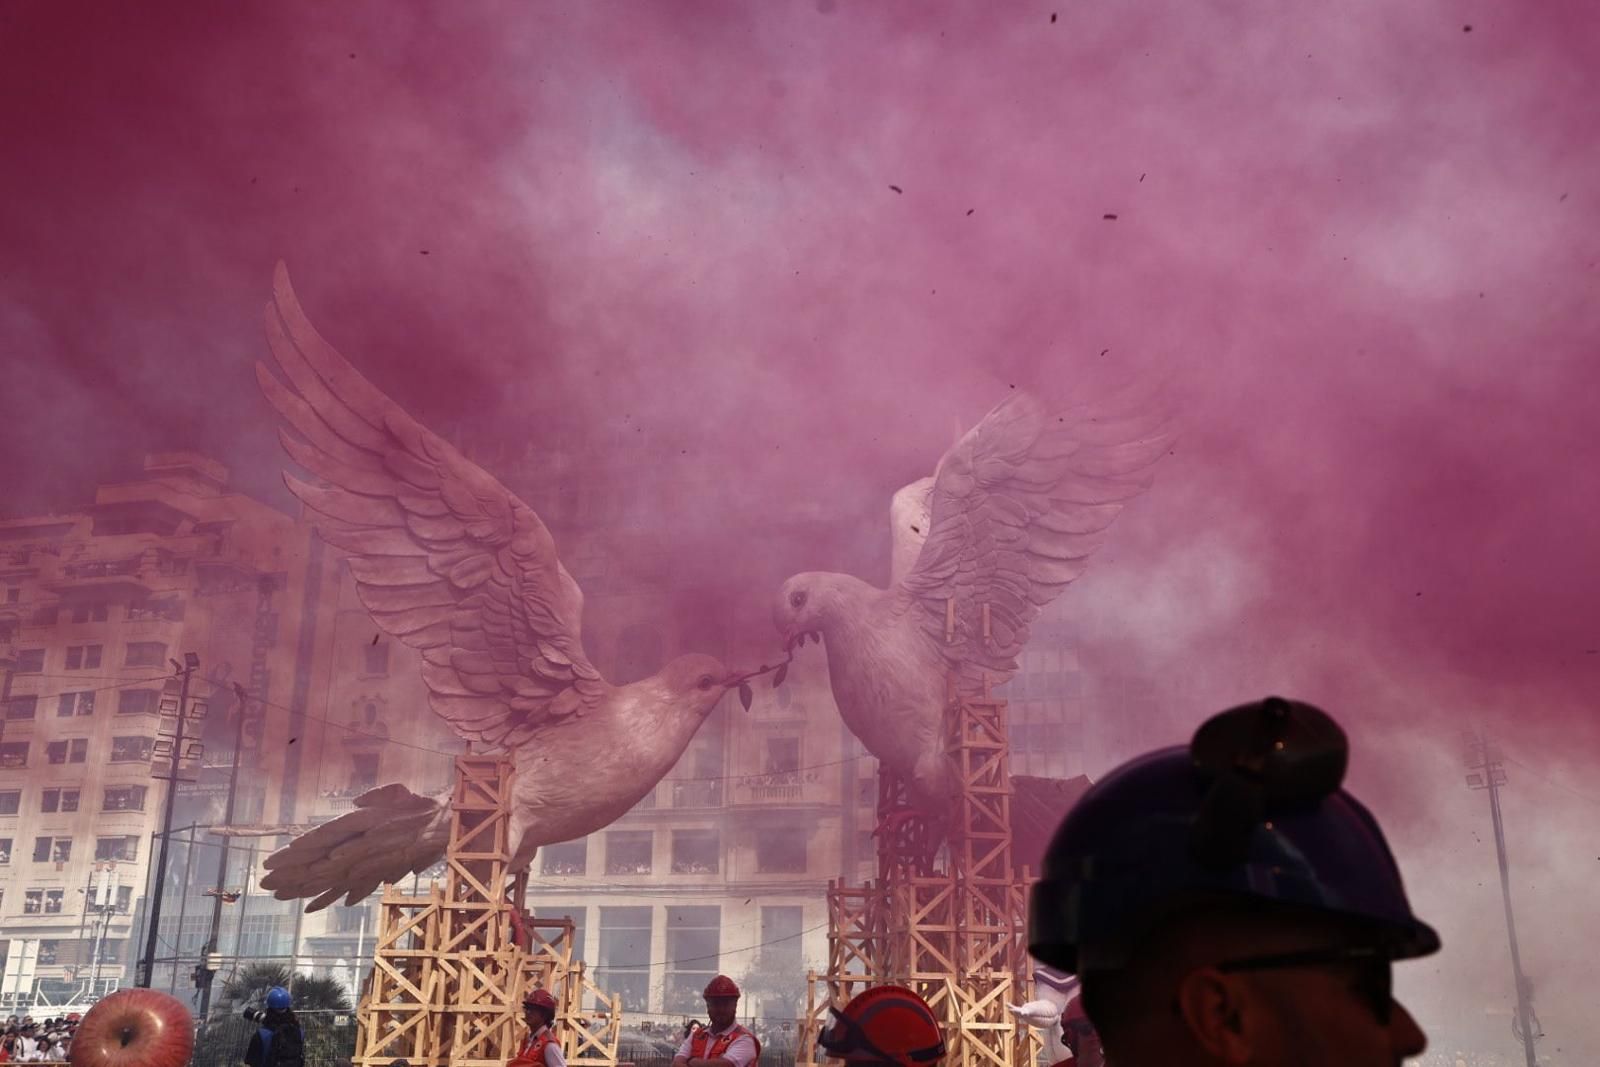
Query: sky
{"points": [[761, 261]]}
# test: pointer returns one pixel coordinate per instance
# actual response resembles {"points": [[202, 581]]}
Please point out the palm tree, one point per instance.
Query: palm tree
{"points": [[249, 985], [316, 1000]]}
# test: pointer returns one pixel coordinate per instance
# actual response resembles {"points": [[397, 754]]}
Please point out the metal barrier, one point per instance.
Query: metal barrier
{"points": [[330, 1039]]}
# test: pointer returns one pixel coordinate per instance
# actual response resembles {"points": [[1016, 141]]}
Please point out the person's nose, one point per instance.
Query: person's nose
{"points": [[1406, 1036]]}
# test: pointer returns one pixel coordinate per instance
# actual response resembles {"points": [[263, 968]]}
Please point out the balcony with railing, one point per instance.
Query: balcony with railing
{"points": [[782, 788], [692, 794]]}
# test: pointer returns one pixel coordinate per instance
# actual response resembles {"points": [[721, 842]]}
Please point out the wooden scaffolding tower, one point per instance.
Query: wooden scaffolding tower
{"points": [[949, 922], [449, 975]]}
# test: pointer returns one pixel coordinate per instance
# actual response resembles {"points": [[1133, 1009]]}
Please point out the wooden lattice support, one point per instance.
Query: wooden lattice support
{"points": [[448, 976], [948, 923]]}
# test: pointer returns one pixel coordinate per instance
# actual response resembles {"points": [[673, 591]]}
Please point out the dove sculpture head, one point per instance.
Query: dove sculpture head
{"points": [[806, 604], [696, 682]]}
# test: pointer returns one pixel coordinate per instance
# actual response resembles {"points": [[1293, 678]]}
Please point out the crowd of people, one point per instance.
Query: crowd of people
{"points": [[27, 1041]]}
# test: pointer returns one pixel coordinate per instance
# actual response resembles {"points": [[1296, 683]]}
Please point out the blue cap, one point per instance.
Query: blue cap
{"points": [[278, 998]]}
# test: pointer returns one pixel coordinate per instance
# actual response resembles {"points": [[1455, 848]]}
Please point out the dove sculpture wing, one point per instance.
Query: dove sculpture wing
{"points": [[1016, 509], [445, 558], [451, 563]]}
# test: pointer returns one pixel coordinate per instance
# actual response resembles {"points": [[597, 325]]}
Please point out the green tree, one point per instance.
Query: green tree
{"points": [[224, 1037]]}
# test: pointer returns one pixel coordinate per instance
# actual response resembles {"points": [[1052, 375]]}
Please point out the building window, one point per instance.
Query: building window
{"points": [[782, 760], [781, 950], [377, 657], [638, 653], [91, 612], [52, 901], [125, 849], [131, 749], [364, 775], [49, 952], [781, 850], [30, 661], [352, 919], [146, 654], [5, 850], [21, 707], [10, 801], [124, 899], [700, 772], [71, 704], [628, 852], [83, 657], [694, 945], [867, 790], [78, 750], [624, 967], [578, 916], [168, 609], [138, 702], [124, 798], [54, 800], [52, 849], [696, 851], [33, 901], [13, 754], [569, 857], [13, 595]]}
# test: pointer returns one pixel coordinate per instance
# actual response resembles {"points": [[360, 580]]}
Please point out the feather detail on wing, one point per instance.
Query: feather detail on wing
{"points": [[391, 833], [445, 558], [1017, 507]]}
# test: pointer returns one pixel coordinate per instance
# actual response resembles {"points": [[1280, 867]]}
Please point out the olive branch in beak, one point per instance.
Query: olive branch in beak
{"points": [[779, 672]]}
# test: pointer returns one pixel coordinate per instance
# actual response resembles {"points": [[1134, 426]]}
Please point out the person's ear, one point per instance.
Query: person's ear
{"points": [[1220, 1014]]}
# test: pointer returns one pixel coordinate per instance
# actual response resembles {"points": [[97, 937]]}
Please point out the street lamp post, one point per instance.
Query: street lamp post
{"points": [[147, 969], [1489, 773], [222, 861]]}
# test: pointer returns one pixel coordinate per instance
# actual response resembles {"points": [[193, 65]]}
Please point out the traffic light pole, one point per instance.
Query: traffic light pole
{"points": [[222, 861], [147, 968], [1490, 774]]}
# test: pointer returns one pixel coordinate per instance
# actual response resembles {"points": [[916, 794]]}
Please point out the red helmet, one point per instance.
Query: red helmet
{"points": [[540, 998], [885, 1024], [721, 986]]}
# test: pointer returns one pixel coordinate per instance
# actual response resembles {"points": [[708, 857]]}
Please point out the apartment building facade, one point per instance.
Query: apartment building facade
{"points": [[97, 606]]}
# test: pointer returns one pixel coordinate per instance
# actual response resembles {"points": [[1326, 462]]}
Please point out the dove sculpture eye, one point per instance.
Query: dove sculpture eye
{"points": [[706, 681], [798, 598]]}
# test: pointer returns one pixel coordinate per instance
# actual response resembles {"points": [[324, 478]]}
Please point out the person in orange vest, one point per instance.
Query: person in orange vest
{"points": [[539, 1048], [885, 1026], [724, 1043]]}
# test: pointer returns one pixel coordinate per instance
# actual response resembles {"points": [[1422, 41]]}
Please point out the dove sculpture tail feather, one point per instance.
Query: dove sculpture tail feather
{"points": [[391, 833]]}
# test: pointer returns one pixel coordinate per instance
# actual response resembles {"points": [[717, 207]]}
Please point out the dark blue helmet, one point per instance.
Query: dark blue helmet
{"points": [[1250, 811], [278, 998]]}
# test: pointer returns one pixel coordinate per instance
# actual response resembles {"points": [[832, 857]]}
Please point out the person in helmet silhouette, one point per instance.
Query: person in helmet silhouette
{"points": [[539, 1048], [278, 1041], [722, 1043], [885, 1025], [1228, 903]]}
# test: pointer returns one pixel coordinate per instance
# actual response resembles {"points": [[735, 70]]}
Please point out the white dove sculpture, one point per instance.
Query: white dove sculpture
{"points": [[1009, 518], [1039, 1014], [451, 563]]}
